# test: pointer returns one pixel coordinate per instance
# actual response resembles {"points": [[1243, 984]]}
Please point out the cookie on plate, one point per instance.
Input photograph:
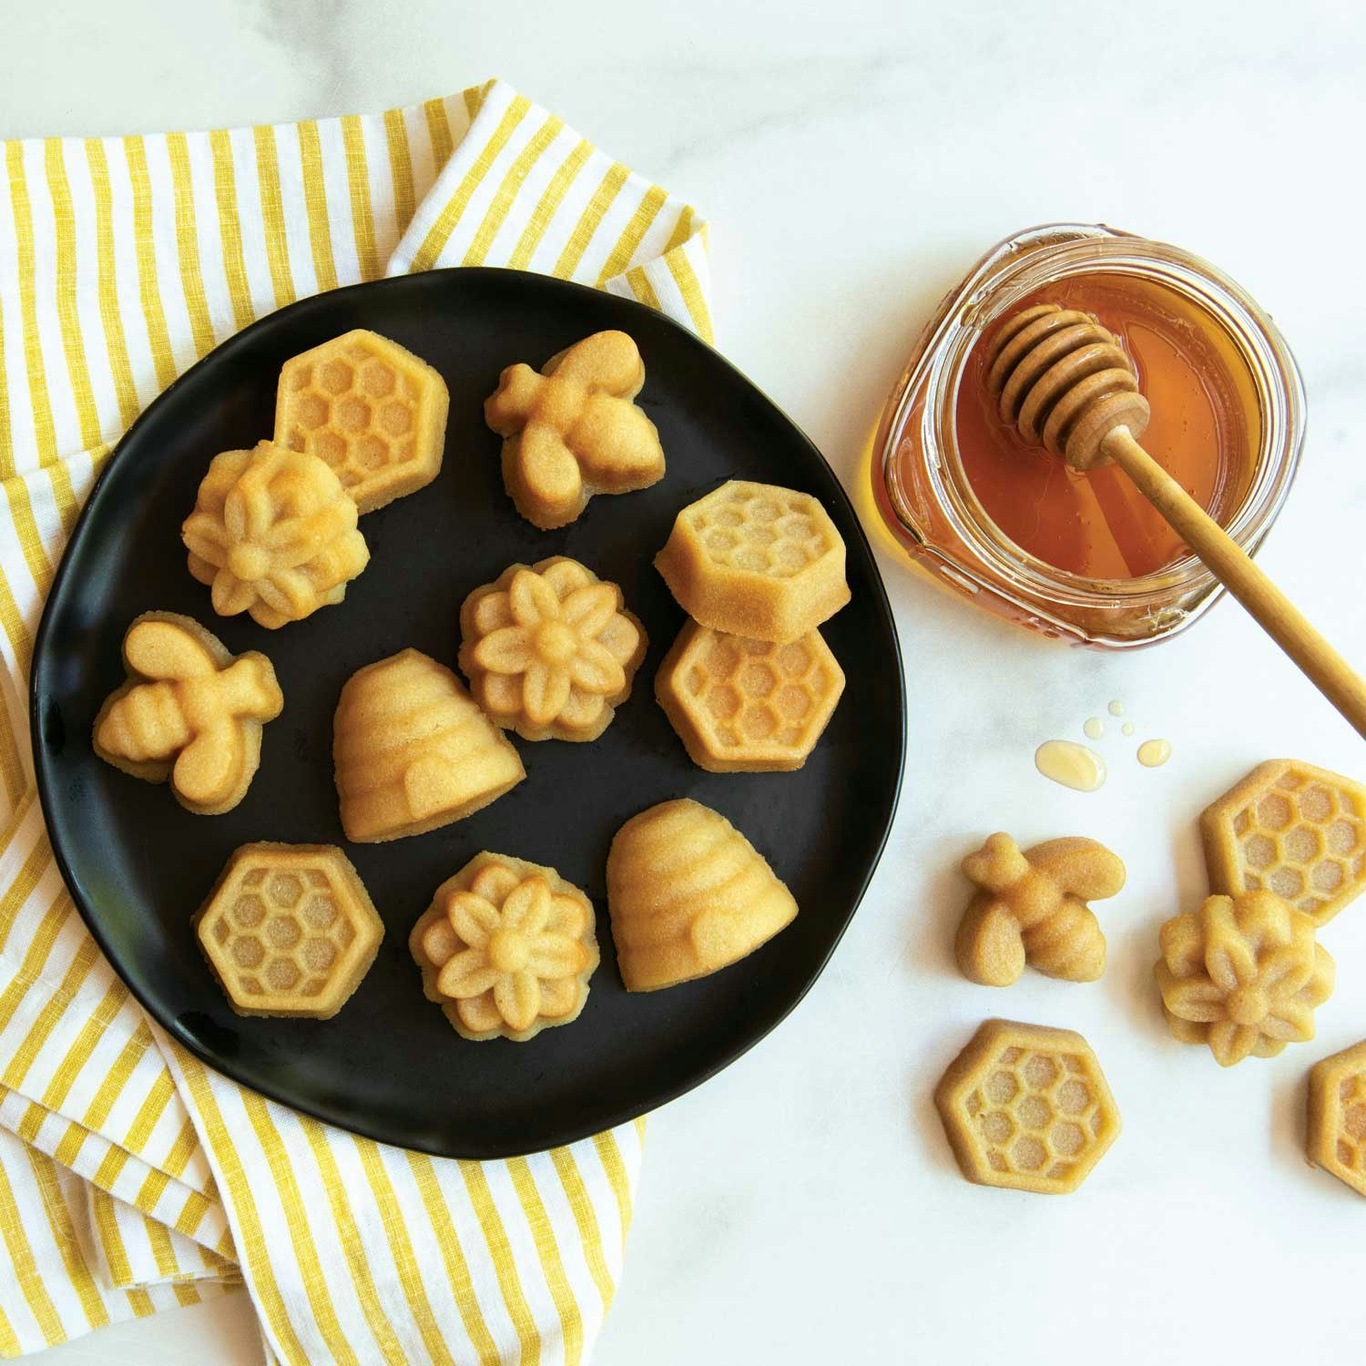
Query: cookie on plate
{"points": [[190, 712], [573, 431], [550, 650]]}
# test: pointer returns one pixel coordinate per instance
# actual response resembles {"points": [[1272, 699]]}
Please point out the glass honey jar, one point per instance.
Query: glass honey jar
{"points": [[1082, 556]]}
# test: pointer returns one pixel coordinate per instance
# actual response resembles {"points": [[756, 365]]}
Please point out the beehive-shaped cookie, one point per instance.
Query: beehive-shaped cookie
{"points": [[1031, 907], [550, 651], [190, 712], [1027, 1107], [1336, 1135], [1293, 829], [413, 751], [756, 560], [273, 534], [506, 948], [371, 409], [748, 706], [289, 929], [573, 430], [688, 894], [1243, 974]]}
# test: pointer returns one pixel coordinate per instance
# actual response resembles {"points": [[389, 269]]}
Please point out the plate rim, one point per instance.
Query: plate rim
{"points": [[44, 780]]}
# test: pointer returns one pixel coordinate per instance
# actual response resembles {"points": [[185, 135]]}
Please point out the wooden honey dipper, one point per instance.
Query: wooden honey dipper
{"points": [[1064, 383]]}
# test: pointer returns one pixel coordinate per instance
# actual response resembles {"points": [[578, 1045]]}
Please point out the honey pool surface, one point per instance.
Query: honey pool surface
{"points": [[1203, 430]]}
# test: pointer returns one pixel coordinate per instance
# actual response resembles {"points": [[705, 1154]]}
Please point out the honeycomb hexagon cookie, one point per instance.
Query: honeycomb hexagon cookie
{"points": [[1027, 1107], [756, 560], [371, 409], [289, 929], [1292, 829], [506, 949], [1336, 1135], [748, 706]]}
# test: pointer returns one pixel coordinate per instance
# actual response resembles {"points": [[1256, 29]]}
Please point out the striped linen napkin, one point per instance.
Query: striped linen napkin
{"points": [[132, 1178]]}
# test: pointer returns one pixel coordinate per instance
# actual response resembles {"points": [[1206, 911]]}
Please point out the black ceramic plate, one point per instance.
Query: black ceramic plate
{"points": [[389, 1065]]}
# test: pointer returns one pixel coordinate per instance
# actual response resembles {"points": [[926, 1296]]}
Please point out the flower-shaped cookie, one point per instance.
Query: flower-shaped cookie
{"points": [[573, 431], [506, 948], [550, 651], [1243, 974], [273, 533]]}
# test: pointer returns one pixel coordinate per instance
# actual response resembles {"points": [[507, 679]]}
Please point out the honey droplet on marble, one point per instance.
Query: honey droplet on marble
{"points": [[1116, 708], [1094, 728], [1071, 764], [1154, 753], [1127, 728]]}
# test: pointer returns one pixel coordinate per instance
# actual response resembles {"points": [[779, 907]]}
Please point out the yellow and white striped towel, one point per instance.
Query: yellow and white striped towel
{"points": [[133, 1178]]}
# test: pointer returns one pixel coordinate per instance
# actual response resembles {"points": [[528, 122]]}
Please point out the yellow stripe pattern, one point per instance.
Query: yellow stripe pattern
{"points": [[132, 1178]]}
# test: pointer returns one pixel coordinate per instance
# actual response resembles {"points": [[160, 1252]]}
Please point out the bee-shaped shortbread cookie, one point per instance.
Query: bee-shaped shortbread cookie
{"points": [[190, 711], [573, 431], [1031, 908]]}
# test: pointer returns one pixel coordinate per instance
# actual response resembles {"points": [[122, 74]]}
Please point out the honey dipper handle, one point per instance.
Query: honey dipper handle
{"points": [[1273, 611]]}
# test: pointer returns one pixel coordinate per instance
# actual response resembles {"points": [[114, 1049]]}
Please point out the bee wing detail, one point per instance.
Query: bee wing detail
{"points": [[1083, 867], [990, 948], [209, 766], [164, 650]]}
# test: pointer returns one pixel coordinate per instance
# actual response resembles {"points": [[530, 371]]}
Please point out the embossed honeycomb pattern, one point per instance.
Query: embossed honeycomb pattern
{"points": [[771, 532], [1351, 1133], [1037, 1114], [1303, 839], [281, 931], [752, 695], [355, 404]]}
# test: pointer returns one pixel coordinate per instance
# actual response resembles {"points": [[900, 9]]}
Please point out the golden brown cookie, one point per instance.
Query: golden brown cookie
{"points": [[372, 410], [1336, 1136], [506, 949], [1027, 1107], [1030, 907], [273, 534], [756, 560], [550, 650], [748, 706], [413, 751], [190, 712], [1243, 974], [573, 430], [688, 895], [289, 929], [1292, 829]]}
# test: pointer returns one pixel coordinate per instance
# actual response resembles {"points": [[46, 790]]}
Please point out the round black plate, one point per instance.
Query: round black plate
{"points": [[389, 1065]]}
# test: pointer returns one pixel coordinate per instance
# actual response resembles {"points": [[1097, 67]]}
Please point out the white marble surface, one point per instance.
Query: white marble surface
{"points": [[854, 158]]}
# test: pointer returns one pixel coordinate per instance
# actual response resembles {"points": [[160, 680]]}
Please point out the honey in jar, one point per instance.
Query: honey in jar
{"points": [[1083, 555]]}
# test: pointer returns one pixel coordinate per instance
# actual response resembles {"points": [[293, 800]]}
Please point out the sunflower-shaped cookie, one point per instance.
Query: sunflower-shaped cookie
{"points": [[1243, 974], [273, 533], [506, 948], [550, 651]]}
